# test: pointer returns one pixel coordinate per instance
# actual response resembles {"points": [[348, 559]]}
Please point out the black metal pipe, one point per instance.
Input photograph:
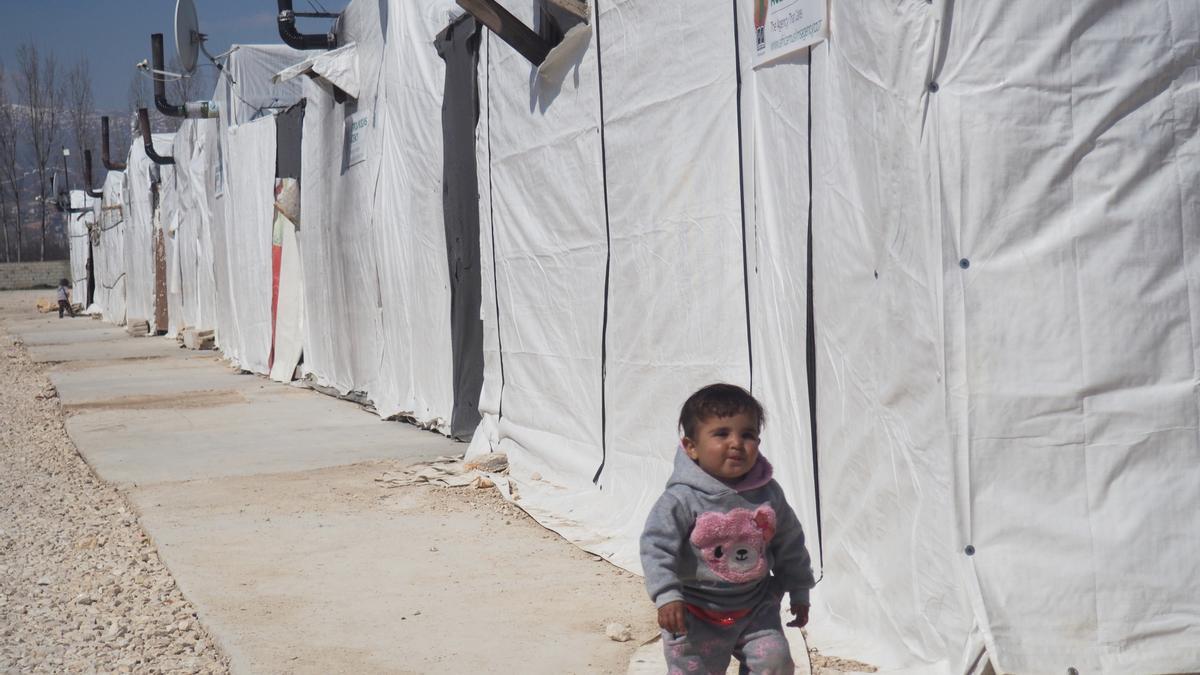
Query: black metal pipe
{"points": [[108, 163], [160, 87], [294, 38], [509, 28], [87, 176], [148, 141]]}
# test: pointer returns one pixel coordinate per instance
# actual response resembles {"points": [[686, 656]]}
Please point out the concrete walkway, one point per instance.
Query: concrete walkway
{"points": [[262, 501]]}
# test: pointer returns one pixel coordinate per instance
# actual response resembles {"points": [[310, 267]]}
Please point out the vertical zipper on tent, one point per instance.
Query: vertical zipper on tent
{"points": [[810, 337], [492, 225], [607, 258], [737, 59]]}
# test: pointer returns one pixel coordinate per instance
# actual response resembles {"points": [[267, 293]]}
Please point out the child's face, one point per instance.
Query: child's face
{"points": [[725, 447]]}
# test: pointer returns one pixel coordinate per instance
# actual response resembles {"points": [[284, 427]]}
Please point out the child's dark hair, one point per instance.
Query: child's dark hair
{"points": [[62, 282], [717, 400]]}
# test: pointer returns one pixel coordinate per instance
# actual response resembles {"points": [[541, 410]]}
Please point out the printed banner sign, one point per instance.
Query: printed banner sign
{"points": [[356, 138], [784, 26]]}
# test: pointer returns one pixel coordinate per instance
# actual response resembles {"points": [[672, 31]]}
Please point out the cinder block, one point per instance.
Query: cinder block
{"points": [[137, 327], [198, 339]]}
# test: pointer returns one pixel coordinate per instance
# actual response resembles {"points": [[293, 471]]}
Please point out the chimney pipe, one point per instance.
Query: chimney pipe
{"points": [[87, 176], [200, 109], [294, 38], [160, 87], [108, 163], [148, 142]]}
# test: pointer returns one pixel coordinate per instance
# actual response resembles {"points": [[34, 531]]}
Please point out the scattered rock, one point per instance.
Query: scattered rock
{"points": [[81, 585], [494, 462], [618, 632]]}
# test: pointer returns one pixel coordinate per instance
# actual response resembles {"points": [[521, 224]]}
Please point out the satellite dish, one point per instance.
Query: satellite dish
{"points": [[187, 34]]}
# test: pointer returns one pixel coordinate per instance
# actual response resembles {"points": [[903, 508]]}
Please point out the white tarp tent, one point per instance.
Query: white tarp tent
{"points": [[249, 188], [241, 154], [141, 221], [1005, 277], [179, 251], [109, 252], [79, 226], [377, 299], [188, 224], [1024, 177], [620, 284]]}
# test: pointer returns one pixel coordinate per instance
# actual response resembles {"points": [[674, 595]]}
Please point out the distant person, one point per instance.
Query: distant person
{"points": [[722, 545], [64, 298]]}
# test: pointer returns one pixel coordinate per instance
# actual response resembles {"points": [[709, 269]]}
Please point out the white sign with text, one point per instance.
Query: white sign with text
{"points": [[357, 127], [784, 26]]}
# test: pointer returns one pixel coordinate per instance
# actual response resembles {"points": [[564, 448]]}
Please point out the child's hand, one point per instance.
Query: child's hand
{"points": [[798, 611], [670, 618]]}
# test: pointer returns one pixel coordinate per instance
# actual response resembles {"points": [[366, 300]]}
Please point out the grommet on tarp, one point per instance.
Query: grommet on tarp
{"points": [[876, 274], [964, 263], [933, 87], [969, 550], [1072, 671]]}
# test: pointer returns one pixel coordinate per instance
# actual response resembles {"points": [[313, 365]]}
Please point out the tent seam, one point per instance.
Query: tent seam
{"points": [[492, 227], [810, 338], [607, 259], [737, 60]]}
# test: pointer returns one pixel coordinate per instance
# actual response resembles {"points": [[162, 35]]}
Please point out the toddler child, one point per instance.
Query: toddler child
{"points": [[722, 545], [64, 298]]}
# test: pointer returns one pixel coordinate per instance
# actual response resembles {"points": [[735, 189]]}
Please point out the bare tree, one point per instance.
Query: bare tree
{"points": [[138, 94], [139, 97], [195, 86], [9, 173], [39, 87], [81, 107], [4, 133]]}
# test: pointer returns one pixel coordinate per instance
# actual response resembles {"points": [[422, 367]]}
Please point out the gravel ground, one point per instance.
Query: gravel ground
{"points": [[81, 585]]}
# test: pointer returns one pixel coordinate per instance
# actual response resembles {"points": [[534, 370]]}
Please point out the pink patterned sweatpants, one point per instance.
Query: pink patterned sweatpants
{"points": [[756, 641]]}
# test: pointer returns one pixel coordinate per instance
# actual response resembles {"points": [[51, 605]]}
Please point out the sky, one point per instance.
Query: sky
{"points": [[113, 35]]}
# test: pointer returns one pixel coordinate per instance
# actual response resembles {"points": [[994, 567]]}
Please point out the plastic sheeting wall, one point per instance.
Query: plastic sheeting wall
{"points": [[187, 221], [179, 252], [618, 284], [109, 254], [139, 227], [250, 91], [78, 242], [372, 241], [239, 233], [1035, 216], [409, 223], [341, 293], [249, 208], [1005, 301], [544, 267]]}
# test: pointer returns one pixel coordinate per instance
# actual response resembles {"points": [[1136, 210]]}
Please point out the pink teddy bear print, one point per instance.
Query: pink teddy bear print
{"points": [[734, 544]]}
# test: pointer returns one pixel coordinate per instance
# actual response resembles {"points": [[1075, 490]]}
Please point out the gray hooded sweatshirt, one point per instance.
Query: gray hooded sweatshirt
{"points": [[723, 547]]}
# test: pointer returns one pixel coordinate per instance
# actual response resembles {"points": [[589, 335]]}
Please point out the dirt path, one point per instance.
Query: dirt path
{"points": [[273, 570]]}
